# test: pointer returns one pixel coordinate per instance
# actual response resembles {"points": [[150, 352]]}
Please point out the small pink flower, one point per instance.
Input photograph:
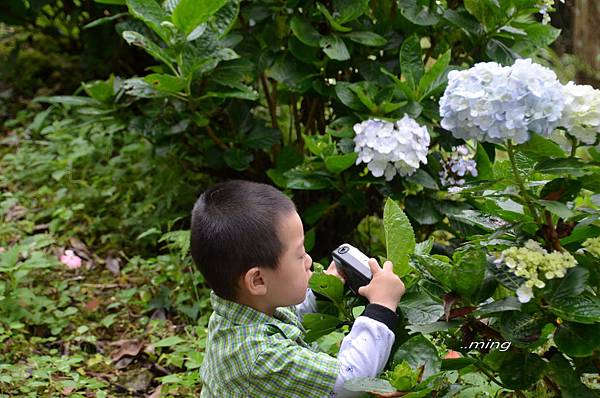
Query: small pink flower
{"points": [[70, 259], [2, 250]]}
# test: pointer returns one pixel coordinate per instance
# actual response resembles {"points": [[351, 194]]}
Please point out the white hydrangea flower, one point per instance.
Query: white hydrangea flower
{"points": [[456, 166], [581, 116], [390, 148], [545, 6], [492, 103]]}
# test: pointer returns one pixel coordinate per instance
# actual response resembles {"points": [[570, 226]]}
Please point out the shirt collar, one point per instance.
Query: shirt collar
{"points": [[284, 318]]}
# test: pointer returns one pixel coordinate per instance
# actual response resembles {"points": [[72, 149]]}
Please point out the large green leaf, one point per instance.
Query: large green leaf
{"points": [[304, 31], [417, 12], [167, 83], [577, 340], [399, 237], [572, 284], [334, 47], [568, 380], [411, 64], [189, 14], [519, 370], [367, 38], [149, 46], [571, 166], [582, 309], [318, 325], [263, 138], [338, 163], [419, 308], [421, 210], [327, 285], [152, 14], [418, 351], [332, 21], [431, 78], [369, 384], [468, 271], [349, 10], [485, 169], [540, 148]]}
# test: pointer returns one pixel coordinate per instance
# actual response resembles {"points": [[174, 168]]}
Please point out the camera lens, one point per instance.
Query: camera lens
{"points": [[343, 249]]}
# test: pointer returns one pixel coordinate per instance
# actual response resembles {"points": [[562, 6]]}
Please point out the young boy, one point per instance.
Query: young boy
{"points": [[248, 241]]}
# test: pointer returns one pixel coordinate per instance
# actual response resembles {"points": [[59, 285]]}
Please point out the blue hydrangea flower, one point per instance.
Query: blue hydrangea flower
{"points": [[492, 103]]}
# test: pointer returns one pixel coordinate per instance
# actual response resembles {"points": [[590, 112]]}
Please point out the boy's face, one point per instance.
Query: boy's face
{"points": [[288, 283]]}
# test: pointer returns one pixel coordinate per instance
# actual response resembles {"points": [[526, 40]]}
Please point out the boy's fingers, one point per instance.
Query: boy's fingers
{"points": [[362, 290], [375, 268], [388, 266]]}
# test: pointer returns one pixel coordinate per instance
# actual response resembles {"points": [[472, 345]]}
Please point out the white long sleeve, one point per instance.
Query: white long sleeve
{"points": [[364, 351]]}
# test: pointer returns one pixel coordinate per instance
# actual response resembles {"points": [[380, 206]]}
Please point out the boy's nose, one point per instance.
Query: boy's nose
{"points": [[308, 261]]}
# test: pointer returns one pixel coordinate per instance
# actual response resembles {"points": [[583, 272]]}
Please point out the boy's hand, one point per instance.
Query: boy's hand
{"points": [[385, 288], [332, 270]]}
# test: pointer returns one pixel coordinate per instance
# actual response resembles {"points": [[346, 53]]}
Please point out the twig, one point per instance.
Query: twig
{"points": [[270, 101], [216, 140]]}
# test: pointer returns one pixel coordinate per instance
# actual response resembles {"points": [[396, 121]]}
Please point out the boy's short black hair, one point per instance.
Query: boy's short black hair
{"points": [[234, 228]]}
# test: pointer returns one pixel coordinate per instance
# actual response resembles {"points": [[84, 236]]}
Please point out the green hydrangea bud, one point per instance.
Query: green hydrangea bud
{"points": [[535, 264], [592, 246]]}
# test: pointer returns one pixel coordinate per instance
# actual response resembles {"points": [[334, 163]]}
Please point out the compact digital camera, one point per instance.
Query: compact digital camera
{"points": [[353, 264]]}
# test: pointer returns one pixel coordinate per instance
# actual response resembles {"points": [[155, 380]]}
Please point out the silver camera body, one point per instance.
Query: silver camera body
{"points": [[353, 264]]}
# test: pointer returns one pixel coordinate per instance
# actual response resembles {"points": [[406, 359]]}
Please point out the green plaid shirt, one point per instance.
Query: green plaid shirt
{"points": [[251, 354]]}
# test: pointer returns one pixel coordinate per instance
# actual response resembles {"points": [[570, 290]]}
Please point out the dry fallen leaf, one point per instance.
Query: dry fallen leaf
{"points": [[130, 347], [93, 304], [15, 213], [155, 393], [113, 264]]}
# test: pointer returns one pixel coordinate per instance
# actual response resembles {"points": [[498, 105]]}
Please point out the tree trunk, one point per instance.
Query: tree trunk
{"points": [[586, 36]]}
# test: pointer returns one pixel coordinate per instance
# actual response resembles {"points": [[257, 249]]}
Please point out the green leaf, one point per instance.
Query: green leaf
{"points": [[152, 14], [305, 32], [349, 10], [570, 167], [136, 39], [334, 47], [238, 159], [367, 38], [577, 340], [301, 51], [421, 210], [369, 384], [426, 84], [561, 189], [306, 180], [189, 14], [418, 351], [423, 178], [167, 83], [568, 380], [504, 276], [500, 52], [540, 148], [520, 328], [411, 63], [486, 11], [419, 308], [101, 90], [519, 370], [348, 97], [485, 169], [399, 237], [582, 309], [169, 341], [318, 325], [468, 271], [338, 163], [69, 100], [332, 21], [327, 285], [417, 13], [506, 304], [263, 138], [558, 208]]}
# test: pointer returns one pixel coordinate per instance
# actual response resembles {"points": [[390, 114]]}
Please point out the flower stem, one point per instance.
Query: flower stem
{"points": [[522, 190]]}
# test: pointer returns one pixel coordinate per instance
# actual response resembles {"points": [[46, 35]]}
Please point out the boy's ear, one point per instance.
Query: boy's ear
{"points": [[253, 281]]}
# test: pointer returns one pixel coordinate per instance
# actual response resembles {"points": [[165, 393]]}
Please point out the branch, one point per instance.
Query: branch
{"points": [[270, 101]]}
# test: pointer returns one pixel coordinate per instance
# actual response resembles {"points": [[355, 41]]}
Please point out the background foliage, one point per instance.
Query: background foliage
{"points": [[139, 106]]}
